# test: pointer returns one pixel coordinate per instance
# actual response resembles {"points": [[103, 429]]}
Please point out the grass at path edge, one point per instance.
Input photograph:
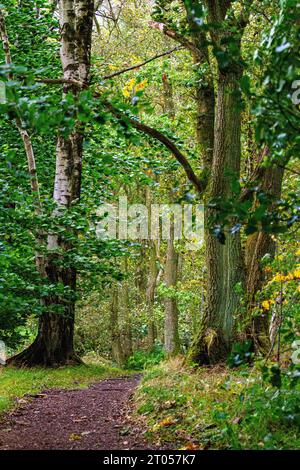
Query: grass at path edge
{"points": [[17, 382]]}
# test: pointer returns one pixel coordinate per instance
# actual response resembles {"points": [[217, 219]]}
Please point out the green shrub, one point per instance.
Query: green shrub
{"points": [[240, 354], [144, 359]]}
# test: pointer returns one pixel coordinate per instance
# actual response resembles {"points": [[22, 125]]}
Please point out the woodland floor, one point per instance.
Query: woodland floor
{"points": [[88, 419]]}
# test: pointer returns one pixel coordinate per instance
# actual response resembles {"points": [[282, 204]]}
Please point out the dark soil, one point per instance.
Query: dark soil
{"points": [[91, 419]]}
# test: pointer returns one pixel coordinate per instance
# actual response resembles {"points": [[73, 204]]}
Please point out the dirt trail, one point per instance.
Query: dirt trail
{"points": [[89, 419]]}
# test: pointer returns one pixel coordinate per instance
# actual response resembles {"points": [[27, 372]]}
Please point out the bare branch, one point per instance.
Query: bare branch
{"points": [[133, 67], [77, 83], [98, 5], [97, 25], [173, 35], [61, 81], [199, 184]]}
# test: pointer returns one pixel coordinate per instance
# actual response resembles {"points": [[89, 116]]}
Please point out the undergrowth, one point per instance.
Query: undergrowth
{"points": [[217, 408], [141, 360]]}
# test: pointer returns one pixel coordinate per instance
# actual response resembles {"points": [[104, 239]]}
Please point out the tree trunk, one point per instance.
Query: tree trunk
{"points": [[150, 292], [117, 351], [171, 334], [127, 332], [54, 343], [141, 274], [172, 342], [151, 280], [224, 262], [225, 265], [53, 346], [168, 101], [257, 246]]}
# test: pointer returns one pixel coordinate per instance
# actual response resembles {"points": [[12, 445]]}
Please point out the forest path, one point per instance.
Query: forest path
{"points": [[91, 419]]}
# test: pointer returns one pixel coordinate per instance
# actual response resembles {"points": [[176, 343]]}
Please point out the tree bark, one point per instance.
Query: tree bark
{"points": [[151, 280], [150, 293], [127, 332], [172, 342], [54, 343], [224, 262], [257, 246], [116, 347], [205, 93], [171, 333], [168, 101]]}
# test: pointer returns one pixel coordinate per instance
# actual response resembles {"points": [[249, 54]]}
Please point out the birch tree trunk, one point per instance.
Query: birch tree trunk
{"points": [[54, 343]]}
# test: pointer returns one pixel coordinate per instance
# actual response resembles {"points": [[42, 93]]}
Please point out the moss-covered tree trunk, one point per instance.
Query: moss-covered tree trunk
{"points": [[150, 294], [224, 262], [116, 346], [171, 334], [257, 246], [127, 330]]}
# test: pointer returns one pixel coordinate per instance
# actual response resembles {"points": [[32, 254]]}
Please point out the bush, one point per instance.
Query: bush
{"points": [[240, 354], [143, 359]]}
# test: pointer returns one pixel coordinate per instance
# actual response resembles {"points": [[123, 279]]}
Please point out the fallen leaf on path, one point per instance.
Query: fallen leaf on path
{"points": [[22, 401], [190, 446], [125, 431], [75, 437], [78, 420]]}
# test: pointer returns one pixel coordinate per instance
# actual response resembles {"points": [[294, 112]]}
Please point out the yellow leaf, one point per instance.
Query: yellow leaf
{"points": [[189, 446], [130, 84], [266, 304], [278, 277], [289, 277], [126, 93], [74, 437], [296, 273], [140, 86], [167, 421]]}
